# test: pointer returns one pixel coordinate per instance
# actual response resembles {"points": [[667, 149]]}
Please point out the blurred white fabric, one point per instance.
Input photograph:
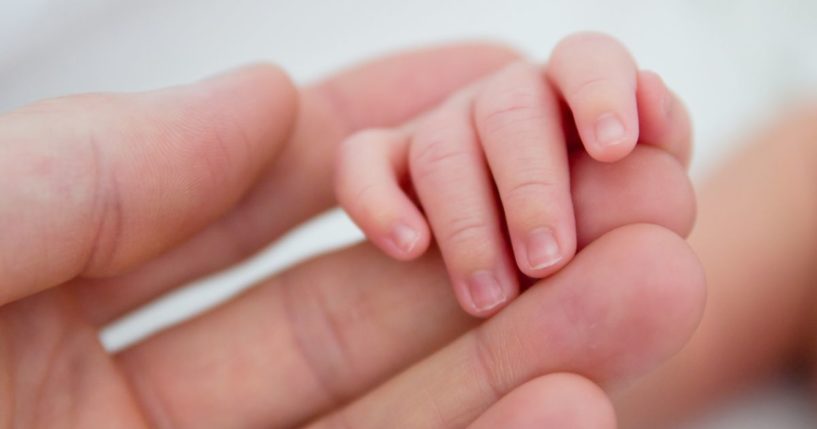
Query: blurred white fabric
{"points": [[732, 63]]}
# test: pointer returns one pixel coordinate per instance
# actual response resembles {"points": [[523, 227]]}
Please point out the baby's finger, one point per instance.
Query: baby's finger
{"points": [[664, 119], [519, 125], [597, 78], [453, 184], [369, 166]]}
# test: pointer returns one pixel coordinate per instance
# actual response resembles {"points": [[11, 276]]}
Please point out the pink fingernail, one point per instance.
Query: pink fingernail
{"points": [[542, 249], [404, 237], [610, 130], [485, 291]]}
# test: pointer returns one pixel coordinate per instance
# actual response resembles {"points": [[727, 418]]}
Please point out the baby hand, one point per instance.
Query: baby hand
{"points": [[491, 164]]}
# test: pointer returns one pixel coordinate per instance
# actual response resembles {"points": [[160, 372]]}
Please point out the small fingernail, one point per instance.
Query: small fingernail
{"points": [[404, 237], [609, 130], [485, 291], [542, 249]]}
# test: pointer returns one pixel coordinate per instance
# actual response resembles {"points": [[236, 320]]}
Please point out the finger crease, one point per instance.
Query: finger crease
{"points": [[486, 363], [466, 229], [576, 92], [332, 342], [534, 188], [108, 208]]}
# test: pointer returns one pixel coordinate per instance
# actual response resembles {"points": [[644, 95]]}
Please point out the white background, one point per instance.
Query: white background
{"points": [[733, 63]]}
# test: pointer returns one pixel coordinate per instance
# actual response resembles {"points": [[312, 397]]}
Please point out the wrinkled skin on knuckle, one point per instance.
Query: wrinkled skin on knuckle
{"points": [[501, 109]]}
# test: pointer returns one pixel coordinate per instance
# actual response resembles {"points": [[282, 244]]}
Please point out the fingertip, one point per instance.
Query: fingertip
{"points": [[613, 134], [487, 289], [484, 293], [608, 154], [402, 237], [397, 230], [401, 234], [596, 75], [368, 167], [405, 240], [544, 251], [256, 93]]}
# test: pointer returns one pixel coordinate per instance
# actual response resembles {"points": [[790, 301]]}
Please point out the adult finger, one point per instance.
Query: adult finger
{"points": [[93, 185], [297, 185], [322, 333], [651, 184], [564, 401], [628, 301]]}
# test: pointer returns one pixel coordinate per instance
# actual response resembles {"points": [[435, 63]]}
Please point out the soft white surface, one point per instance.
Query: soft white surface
{"points": [[731, 64]]}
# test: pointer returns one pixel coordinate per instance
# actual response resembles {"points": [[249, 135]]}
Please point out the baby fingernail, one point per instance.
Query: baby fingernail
{"points": [[485, 291], [609, 130], [404, 237], [542, 249]]}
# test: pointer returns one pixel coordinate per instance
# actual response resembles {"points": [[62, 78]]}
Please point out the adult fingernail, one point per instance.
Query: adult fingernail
{"points": [[609, 130], [542, 249], [485, 291], [404, 237]]}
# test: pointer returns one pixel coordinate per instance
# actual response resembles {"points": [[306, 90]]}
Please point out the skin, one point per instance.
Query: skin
{"points": [[757, 238], [494, 158], [115, 199]]}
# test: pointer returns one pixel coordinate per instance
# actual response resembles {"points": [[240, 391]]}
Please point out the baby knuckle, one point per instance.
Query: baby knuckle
{"points": [[361, 140], [365, 198], [439, 149], [466, 230], [525, 190], [586, 88], [434, 157], [510, 108]]}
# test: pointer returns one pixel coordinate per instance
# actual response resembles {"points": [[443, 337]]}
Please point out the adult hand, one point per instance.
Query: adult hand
{"points": [[110, 200]]}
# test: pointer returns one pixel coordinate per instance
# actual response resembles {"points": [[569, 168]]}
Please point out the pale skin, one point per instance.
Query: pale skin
{"points": [[494, 158], [110, 200], [756, 235]]}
